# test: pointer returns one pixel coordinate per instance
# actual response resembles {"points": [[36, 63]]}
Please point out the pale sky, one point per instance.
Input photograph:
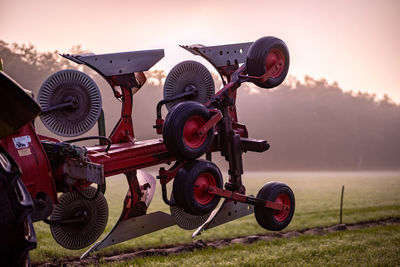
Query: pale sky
{"points": [[355, 43]]}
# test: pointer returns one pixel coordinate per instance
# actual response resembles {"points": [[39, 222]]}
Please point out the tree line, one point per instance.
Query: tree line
{"points": [[311, 125]]}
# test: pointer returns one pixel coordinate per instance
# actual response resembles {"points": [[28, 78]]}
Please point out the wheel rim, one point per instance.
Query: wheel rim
{"points": [[281, 215], [190, 132], [275, 63], [201, 188]]}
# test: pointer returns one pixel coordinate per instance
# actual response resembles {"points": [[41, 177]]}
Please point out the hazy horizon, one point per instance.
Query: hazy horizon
{"points": [[354, 43], [311, 125]]}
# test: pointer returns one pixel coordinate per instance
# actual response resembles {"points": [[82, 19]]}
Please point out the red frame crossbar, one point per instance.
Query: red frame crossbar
{"points": [[214, 190], [210, 123]]}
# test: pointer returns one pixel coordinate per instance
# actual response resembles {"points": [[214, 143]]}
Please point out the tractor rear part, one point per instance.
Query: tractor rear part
{"points": [[17, 108], [16, 228]]}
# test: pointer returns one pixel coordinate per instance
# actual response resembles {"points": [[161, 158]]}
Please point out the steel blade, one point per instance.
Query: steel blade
{"points": [[135, 227], [228, 211]]}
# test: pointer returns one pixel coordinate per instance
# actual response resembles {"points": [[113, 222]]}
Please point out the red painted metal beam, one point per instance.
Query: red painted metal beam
{"points": [[245, 199], [210, 123], [127, 157]]}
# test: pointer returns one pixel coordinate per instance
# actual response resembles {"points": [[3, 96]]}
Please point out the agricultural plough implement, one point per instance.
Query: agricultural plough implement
{"points": [[199, 122]]}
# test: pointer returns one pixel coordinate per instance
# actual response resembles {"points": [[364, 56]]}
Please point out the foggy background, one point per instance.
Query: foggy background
{"points": [[310, 125]]}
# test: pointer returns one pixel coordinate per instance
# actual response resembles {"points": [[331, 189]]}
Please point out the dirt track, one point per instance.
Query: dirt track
{"points": [[199, 244]]}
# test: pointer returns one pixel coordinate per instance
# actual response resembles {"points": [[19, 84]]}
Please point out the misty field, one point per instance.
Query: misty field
{"points": [[367, 196]]}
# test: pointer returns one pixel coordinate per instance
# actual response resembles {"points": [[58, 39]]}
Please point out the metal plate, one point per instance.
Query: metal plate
{"points": [[78, 170], [135, 227], [229, 211], [119, 63], [146, 178], [59, 88], [221, 55]]}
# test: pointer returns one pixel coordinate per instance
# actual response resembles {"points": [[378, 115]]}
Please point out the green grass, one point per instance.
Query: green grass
{"points": [[368, 196], [377, 246]]}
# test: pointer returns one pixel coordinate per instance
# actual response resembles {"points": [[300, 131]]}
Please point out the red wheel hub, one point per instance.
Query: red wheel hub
{"points": [[281, 215], [190, 132], [201, 188], [275, 63]]}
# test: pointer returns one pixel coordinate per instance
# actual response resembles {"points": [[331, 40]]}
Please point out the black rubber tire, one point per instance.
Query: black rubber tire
{"points": [[181, 142], [17, 233], [268, 218], [196, 174], [257, 57], [26, 261], [82, 234], [43, 207]]}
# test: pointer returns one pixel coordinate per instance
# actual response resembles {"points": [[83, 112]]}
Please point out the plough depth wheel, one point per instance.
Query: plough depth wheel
{"points": [[190, 189], [180, 130], [268, 58], [272, 219], [94, 214]]}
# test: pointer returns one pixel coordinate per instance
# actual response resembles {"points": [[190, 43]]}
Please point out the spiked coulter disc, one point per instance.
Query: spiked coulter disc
{"points": [[186, 75], [185, 220], [79, 234], [70, 86]]}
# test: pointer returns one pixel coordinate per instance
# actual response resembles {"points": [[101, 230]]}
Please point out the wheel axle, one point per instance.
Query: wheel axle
{"points": [[80, 219]]}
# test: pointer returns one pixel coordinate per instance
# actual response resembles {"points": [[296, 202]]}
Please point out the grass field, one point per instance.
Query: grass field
{"points": [[378, 246], [368, 196]]}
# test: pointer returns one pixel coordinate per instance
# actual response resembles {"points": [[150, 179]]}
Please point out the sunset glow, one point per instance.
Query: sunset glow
{"points": [[355, 43]]}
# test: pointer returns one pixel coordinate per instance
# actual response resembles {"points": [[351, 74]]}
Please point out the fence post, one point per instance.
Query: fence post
{"points": [[101, 124], [341, 205]]}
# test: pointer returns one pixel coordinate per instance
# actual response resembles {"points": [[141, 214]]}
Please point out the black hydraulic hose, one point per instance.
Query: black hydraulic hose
{"points": [[65, 221], [165, 197]]}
